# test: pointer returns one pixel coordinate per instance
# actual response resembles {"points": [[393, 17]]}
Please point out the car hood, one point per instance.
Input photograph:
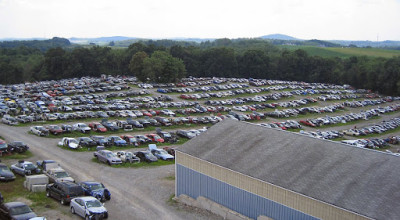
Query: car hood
{"points": [[73, 145], [97, 209], [25, 216], [166, 156], [98, 192]]}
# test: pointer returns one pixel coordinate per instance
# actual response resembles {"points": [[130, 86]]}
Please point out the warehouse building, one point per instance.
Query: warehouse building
{"points": [[271, 174]]}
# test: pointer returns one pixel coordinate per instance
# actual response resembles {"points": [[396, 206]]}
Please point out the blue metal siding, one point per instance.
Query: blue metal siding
{"points": [[195, 184]]}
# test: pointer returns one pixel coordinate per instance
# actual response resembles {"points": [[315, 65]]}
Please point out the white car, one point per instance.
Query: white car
{"points": [[69, 142], [58, 175], [81, 127], [88, 207]]}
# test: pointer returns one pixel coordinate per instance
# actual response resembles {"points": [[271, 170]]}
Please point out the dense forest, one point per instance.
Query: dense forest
{"points": [[166, 61]]}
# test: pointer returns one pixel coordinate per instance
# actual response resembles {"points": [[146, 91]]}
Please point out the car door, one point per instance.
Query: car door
{"points": [[80, 207], [55, 191]]}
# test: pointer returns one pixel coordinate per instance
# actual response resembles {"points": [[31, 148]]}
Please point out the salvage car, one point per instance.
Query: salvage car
{"points": [[88, 207], [128, 157], [81, 127], [69, 142], [40, 131], [16, 210], [5, 173], [107, 157], [146, 156], [58, 175], [64, 191], [95, 189], [115, 140], [3, 147], [130, 140], [155, 138], [24, 168], [86, 142], [55, 129], [160, 153], [17, 146], [96, 126]]}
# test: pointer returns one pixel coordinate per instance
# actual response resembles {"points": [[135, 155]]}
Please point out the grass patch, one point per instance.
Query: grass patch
{"points": [[171, 200], [17, 156], [139, 165], [172, 177], [11, 191]]}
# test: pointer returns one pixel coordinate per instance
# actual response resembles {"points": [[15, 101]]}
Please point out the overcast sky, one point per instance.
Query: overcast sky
{"points": [[305, 19]]}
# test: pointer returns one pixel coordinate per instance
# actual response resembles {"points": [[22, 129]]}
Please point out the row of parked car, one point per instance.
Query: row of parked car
{"points": [[374, 129], [329, 120], [153, 154]]}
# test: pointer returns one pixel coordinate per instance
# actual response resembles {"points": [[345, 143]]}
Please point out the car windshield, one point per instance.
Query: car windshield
{"points": [[110, 155], [61, 174], [3, 145], [96, 186], [18, 143], [73, 141], [93, 203], [29, 166], [163, 151], [157, 137], [19, 210], [3, 168]]}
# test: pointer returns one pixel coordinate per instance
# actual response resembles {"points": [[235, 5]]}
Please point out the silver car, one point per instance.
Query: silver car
{"points": [[88, 207], [107, 157]]}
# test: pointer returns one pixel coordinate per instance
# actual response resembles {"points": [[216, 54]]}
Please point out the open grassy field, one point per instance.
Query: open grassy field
{"points": [[344, 52]]}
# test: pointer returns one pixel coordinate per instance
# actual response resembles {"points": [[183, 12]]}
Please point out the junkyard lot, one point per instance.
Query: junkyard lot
{"points": [[140, 193]]}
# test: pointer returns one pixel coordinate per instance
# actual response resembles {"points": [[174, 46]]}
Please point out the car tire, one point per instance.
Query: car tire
{"points": [[72, 210], [87, 217], [62, 201], [108, 162]]}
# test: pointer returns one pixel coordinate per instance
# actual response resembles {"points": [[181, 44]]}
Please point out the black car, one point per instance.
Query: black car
{"points": [[17, 146], [185, 134], [146, 156], [16, 210], [86, 142], [134, 123], [100, 140], [110, 126], [64, 191], [144, 122], [154, 122]]}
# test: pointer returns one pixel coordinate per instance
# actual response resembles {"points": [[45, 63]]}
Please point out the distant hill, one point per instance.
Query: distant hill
{"points": [[278, 37], [42, 45], [100, 40]]}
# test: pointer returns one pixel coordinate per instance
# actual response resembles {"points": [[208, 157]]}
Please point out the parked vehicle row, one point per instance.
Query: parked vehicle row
{"points": [[374, 129]]}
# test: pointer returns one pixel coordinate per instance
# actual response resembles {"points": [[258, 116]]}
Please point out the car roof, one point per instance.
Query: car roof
{"points": [[86, 198], [14, 204], [90, 182]]}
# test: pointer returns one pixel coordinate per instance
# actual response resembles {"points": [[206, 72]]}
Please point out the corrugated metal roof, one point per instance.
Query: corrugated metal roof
{"points": [[360, 180]]}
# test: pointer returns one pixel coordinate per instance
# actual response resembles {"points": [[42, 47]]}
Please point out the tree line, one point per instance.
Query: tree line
{"points": [[155, 62]]}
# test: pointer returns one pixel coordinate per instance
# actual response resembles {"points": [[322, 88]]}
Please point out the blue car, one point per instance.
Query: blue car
{"points": [[117, 141], [95, 189]]}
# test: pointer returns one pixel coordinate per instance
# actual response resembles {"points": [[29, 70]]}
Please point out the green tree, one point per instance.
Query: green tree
{"points": [[136, 65], [161, 67]]}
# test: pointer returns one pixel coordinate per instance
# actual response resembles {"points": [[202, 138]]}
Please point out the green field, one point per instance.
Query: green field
{"points": [[344, 52]]}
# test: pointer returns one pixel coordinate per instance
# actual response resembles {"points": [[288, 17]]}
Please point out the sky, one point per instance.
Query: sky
{"points": [[305, 19]]}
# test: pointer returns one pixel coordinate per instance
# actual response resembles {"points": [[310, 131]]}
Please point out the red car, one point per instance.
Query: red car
{"points": [[55, 129], [307, 123], [96, 126], [130, 140], [155, 138]]}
